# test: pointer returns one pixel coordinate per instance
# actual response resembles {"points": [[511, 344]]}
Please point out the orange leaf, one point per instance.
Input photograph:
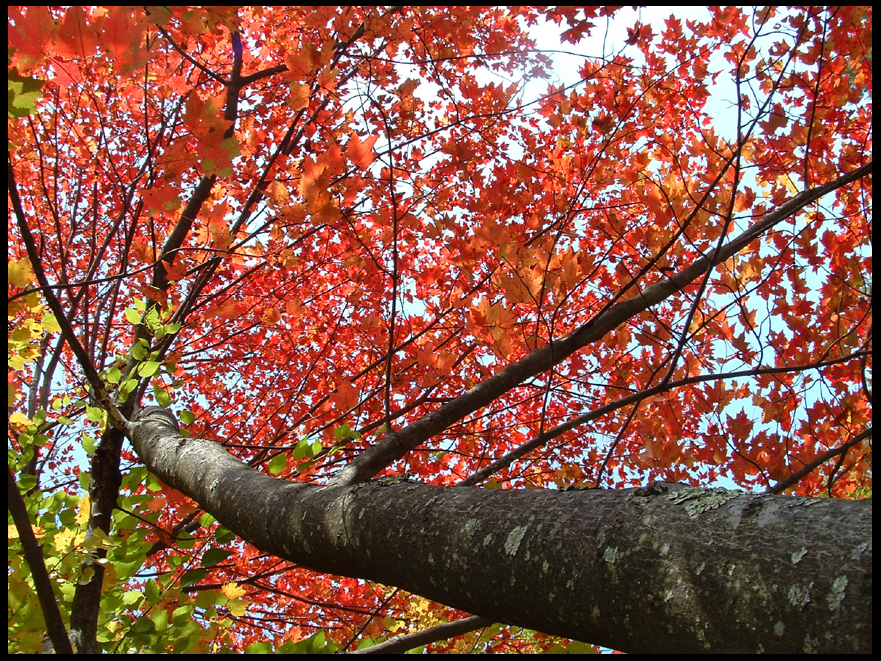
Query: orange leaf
{"points": [[299, 96], [175, 270], [361, 153]]}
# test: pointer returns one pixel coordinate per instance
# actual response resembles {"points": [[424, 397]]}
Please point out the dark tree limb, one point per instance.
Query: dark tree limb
{"points": [[34, 556], [663, 568], [409, 641]]}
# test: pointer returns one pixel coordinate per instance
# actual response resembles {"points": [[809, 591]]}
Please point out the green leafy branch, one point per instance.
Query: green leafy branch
{"points": [[145, 362]]}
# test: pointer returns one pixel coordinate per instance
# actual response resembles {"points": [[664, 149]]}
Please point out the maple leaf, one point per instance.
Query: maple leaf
{"points": [[29, 34], [361, 153], [124, 31], [176, 270], [299, 96], [346, 396]]}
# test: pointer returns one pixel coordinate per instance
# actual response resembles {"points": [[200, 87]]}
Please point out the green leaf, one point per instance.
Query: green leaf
{"points": [[149, 368], [187, 417], [140, 350], [144, 625], [160, 618], [125, 389], [207, 599], [185, 638], [22, 93], [224, 535], [259, 648], [133, 316], [185, 541], [344, 432], [162, 397], [213, 557], [94, 413], [192, 576], [151, 319], [182, 614], [302, 449], [152, 483], [27, 482], [113, 375], [125, 569], [277, 465], [133, 479], [152, 591]]}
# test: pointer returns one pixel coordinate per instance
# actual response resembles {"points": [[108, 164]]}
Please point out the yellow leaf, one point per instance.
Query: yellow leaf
{"points": [[19, 272], [84, 509], [68, 539], [233, 591], [12, 531], [278, 193], [20, 420], [788, 183], [50, 323], [33, 303]]}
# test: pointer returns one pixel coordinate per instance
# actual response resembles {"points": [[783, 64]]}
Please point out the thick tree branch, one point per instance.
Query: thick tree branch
{"points": [[666, 567]]}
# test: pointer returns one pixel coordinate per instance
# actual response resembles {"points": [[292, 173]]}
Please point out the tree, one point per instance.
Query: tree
{"points": [[301, 296]]}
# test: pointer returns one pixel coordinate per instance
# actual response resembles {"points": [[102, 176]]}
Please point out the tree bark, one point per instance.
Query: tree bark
{"points": [[663, 568]]}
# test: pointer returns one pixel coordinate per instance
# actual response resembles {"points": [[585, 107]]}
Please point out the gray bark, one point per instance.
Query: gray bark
{"points": [[666, 568]]}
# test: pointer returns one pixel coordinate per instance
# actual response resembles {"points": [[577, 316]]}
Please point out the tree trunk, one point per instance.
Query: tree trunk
{"points": [[666, 568]]}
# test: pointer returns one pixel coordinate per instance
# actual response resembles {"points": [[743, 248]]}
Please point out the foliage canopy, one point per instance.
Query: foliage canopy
{"points": [[357, 242]]}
